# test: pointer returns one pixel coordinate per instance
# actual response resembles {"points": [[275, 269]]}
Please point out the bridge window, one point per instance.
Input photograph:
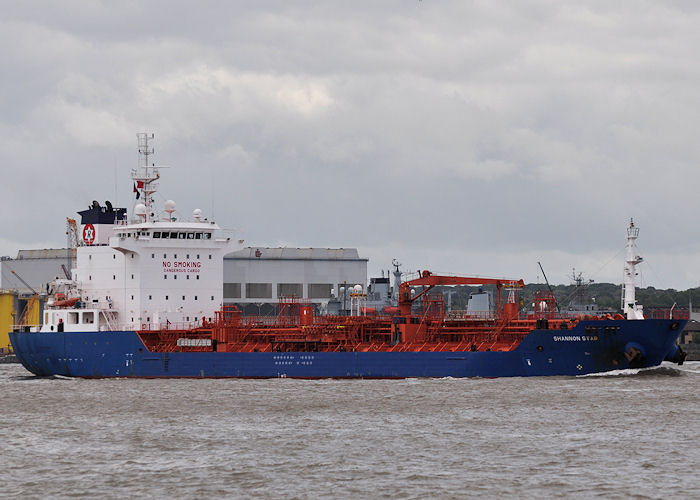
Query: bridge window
{"points": [[156, 234]]}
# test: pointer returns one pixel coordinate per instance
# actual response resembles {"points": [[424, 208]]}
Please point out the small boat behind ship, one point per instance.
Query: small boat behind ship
{"points": [[145, 300]]}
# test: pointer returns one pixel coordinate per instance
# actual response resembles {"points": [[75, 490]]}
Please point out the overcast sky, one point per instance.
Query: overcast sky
{"points": [[466, 137]]}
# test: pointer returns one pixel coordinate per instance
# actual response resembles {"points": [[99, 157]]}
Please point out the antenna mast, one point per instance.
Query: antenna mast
{"points": [[548, 285], [397, 278], [146, 175], [630, 308]]}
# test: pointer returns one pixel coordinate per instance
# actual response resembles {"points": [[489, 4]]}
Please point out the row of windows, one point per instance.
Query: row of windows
{"points": [[165, 276], [187, 256], [174, 235], [114, 256], [167, 297], [148, 319], [153, 256], [264, 290]]}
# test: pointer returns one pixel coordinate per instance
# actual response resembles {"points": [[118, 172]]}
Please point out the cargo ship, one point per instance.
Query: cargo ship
{"points": [[145, 300]]}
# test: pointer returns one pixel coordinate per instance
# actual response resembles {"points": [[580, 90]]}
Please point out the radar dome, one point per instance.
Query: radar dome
{"points": [[357, 289], [169, 206], [140, 210], [197, 213]]}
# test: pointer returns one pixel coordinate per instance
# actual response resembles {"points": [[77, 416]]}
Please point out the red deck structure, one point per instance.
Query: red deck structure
{"points": [[297, 329]]}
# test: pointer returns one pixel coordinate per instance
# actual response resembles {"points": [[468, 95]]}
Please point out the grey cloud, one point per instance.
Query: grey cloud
{"points": [[454, 132]]}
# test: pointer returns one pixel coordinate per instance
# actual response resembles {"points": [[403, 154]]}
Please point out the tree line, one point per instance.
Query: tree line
{"points": [[605, 295]]}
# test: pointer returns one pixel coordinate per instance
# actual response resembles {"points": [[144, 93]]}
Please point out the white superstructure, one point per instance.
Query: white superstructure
{"points": [[631, 309], [155, 271]]}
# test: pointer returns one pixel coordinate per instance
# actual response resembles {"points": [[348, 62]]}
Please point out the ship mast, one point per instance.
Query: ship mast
{"points": [[397, 279], [145, 176], [630, 308]]}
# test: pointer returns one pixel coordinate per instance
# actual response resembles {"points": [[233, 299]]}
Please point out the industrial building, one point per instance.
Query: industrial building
{"points": [[35, 267], [256, 277], [23, 282], [17, 307]]}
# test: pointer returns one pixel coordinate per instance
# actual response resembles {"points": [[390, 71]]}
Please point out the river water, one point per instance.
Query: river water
{"points": [[629, 434]]}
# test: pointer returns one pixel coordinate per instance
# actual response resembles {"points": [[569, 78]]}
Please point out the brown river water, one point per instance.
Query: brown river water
{"points": [[625, 435]]}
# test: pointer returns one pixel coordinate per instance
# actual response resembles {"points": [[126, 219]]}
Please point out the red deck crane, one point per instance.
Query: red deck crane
{"points": [[430, 280], [410, 330]]}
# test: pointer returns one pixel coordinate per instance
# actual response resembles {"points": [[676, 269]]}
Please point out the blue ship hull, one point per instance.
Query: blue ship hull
{"points": [[591, 347]]}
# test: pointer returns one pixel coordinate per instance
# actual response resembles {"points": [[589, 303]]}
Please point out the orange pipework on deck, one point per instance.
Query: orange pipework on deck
{"points": [[296, 328]]}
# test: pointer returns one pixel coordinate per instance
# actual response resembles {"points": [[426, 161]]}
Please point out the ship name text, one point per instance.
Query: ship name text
{"points": [[575, 338]]}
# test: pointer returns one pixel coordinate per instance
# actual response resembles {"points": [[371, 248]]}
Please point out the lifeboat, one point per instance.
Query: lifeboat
{"points": [[60, 300]]}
